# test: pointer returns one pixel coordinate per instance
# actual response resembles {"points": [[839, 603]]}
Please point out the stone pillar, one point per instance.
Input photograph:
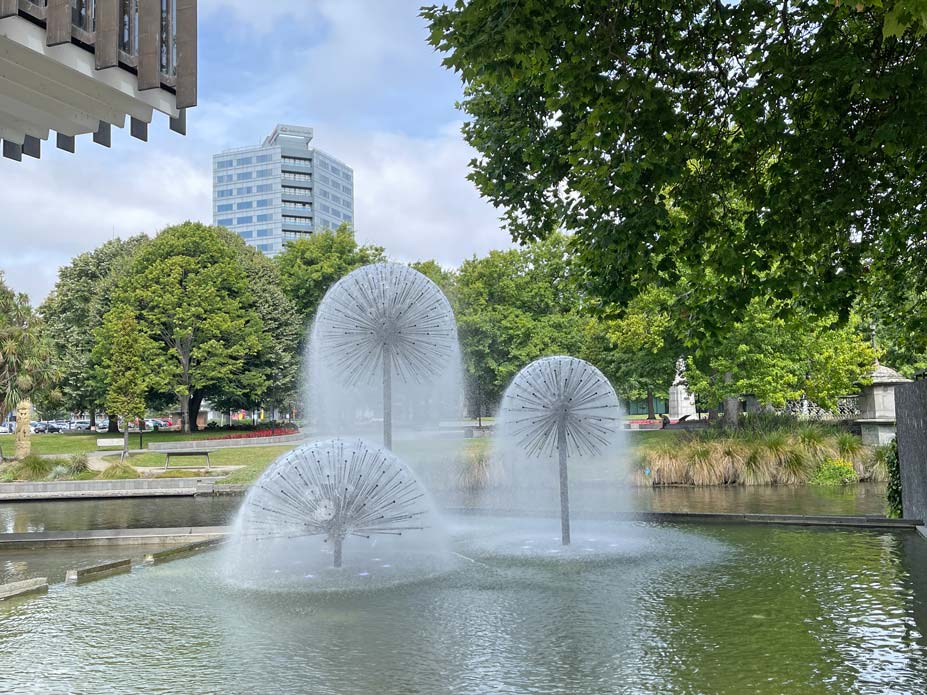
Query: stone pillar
{"points": [[680, 402], [911, 407]]}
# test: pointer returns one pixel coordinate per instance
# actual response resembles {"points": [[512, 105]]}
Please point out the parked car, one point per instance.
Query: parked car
{"points": [[81, 425], [38, 427], [52, 427], [7, 427]]}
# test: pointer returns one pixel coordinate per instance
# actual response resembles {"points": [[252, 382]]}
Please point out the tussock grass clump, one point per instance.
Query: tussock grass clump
{"points": [[77, 464], [119, 471], [761, 453], [32, 468]]}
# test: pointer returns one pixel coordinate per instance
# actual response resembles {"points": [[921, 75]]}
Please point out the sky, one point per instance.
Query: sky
{"points": [[359, 72]]}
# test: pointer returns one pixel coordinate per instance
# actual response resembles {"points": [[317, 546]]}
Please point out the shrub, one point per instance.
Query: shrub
{"points": [[835, 471], [77, 464], [59, 472], [120, 470], [850, 448], [893, 471], [33, 467]]}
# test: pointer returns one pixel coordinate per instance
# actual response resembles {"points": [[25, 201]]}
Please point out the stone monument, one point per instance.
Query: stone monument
{"points": [[877, 406], [681, 402]]}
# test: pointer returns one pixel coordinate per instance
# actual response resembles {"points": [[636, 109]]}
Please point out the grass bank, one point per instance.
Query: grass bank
{"points": [[789, 454]]}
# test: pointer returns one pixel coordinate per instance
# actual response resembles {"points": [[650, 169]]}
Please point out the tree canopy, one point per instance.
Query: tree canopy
{"points": [[191, 297], [309, 266], [757, 149]]}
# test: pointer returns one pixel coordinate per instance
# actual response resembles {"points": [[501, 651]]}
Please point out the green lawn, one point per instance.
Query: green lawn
{"points": [[85, 442]]}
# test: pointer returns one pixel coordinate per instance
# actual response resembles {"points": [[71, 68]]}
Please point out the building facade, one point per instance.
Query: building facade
{"points": [[80, 67], [281, 190]]}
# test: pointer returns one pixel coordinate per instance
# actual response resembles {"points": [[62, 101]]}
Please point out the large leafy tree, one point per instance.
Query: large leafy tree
{"points": [[642, 347], [514, 307], [121, 350], [779, 358], [274, 370], [191, 297], [72, 314], [776, 147], [309, 266], [26, 366]]}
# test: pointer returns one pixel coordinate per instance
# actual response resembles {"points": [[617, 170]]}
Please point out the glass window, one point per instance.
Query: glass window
{"points": [[245, 205], [346, 217], [263, 232], [324, 208], [244, 190], [346, 189], [265, 217], [243, 176], [225, 207], [264, 188], [225, 193], [264, 173], [244, 220], [265, 203], [324, 193], [246, 235], [224, 222], [267, 248], [224, 164], [224, 178], [243, 162], [261, 158]]}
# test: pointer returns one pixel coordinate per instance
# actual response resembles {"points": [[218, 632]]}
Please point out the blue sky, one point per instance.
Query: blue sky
{"points": [[357, 71]]}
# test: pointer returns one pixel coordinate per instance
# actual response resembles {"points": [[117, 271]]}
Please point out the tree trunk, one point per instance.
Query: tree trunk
{"points": [[185, 414], [125, 437], [194, 404], [731, 405], [93, 420], [651, 409], [23, 442], [114, 424]]}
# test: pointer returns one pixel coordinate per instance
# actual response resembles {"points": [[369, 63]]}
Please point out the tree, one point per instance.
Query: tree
{"points": [[779, 359], [72, 314], [309, 266], [26, 367], [514, 307], [122, 349], [644, 348], [788, 137], [191, 298], [273, 373]]}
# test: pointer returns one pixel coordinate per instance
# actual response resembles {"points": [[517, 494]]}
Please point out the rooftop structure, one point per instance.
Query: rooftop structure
{"points": [[77, 67]]}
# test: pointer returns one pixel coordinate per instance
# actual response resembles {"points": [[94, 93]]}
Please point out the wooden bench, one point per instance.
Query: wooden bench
{"points": [[187, 452]]}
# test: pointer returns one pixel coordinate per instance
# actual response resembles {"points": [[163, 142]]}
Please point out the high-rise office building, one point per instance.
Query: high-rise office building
{"points": [[282, 190]]}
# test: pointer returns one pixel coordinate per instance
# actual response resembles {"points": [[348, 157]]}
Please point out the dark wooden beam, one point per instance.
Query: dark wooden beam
{"points": [[58, 23], [149, 44], [186, 54], [13, 151], [66, 143], [106, 43], [32, 147], [139, 130], [104, 134]]}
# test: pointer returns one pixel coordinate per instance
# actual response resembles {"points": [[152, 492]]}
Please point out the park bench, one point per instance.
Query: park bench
{"points": [[187, 452]]}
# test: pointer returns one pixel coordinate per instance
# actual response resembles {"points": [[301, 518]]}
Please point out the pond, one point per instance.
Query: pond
{"points": [[168, 512], [720, 609]]}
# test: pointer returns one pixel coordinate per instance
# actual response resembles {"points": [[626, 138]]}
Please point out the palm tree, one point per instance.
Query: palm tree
{"points": [[25, 362]]}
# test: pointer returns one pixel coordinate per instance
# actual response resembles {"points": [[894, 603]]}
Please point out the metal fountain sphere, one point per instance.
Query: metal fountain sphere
{"points": [[386, 315], [567, 391], [561, 404], [336, 489]]}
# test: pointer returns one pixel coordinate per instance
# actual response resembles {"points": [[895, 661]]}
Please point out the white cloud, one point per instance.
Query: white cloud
{"points": [[363, 77]]}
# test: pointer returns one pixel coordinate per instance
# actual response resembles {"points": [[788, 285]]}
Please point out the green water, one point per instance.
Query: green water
{"points": [[685, 609]]}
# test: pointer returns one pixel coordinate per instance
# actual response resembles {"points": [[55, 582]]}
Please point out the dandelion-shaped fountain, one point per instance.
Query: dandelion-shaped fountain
{"points": [[335, 489], [561, 404], [383, 319]]}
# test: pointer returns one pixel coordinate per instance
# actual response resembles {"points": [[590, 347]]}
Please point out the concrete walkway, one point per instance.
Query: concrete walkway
{"points": [[101, 489], [147, 536]]}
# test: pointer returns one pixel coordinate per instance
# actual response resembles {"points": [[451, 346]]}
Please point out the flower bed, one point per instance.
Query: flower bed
{"points": [[257, 434]]}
